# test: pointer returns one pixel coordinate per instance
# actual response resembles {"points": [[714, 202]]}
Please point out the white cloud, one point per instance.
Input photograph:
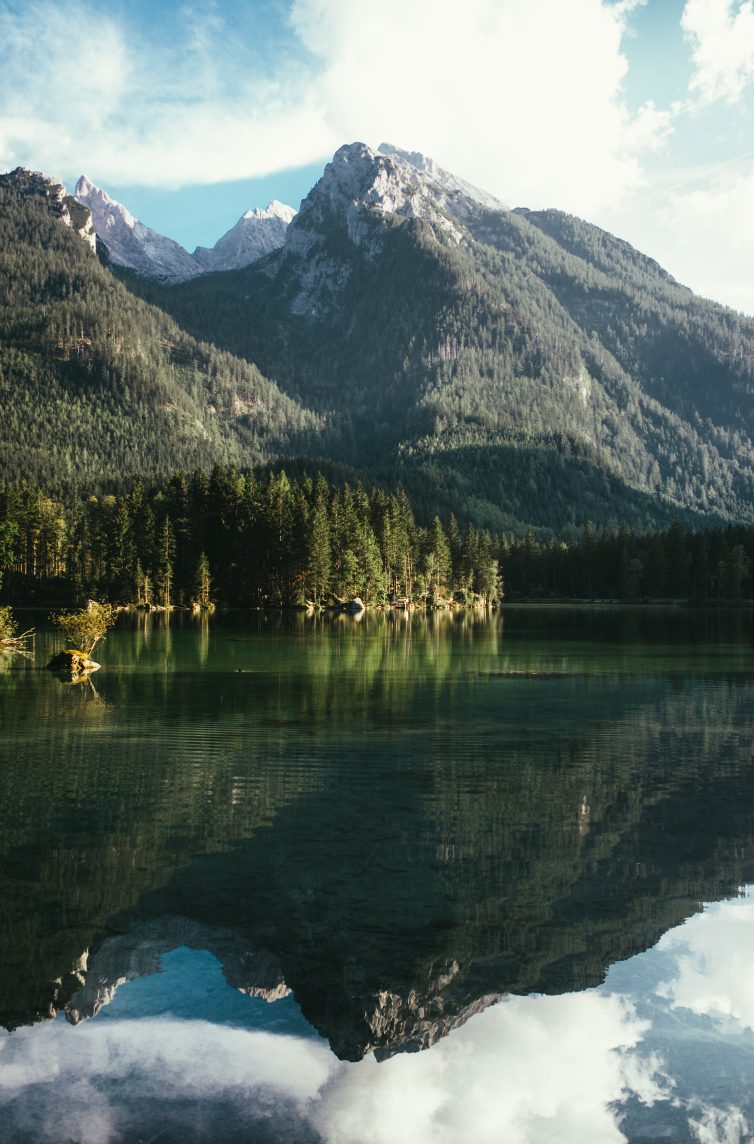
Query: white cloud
{"points": [[527, 1070], [80, 91], [523, 97], [721, 34], [715, 962], [523, 1071], [721, 1126], [699, 225], [162, 1065]]}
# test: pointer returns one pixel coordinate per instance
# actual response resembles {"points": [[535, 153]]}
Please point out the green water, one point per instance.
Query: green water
{"points": [[408, 816]]}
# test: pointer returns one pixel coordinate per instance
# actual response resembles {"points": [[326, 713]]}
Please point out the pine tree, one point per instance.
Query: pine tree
{"points": [[440, 576], [164, 570], [319, 551], [203, 582]]}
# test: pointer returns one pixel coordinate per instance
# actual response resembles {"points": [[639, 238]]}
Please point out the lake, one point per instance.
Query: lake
{"points": [[411, 878]]}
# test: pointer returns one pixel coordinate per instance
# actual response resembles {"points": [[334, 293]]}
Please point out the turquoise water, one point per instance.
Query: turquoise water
{"points": [[250, 864]]}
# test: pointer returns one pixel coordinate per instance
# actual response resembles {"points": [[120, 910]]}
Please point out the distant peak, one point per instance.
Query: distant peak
{"points": [[353, 150], [274, 209], [86, 192], [280, 210]]}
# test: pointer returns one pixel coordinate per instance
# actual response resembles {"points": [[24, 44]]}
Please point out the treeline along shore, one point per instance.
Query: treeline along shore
{"points": [[241, 540]]}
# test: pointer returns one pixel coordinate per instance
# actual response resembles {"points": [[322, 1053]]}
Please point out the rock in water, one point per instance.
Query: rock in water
{"points": [[72, 662]]}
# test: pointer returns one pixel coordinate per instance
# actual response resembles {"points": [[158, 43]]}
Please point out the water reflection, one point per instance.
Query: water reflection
{"points": [[662, 1050], [403, 820]]}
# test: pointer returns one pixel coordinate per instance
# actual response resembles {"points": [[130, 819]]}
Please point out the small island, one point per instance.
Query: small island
{"points": [[83, 630]]}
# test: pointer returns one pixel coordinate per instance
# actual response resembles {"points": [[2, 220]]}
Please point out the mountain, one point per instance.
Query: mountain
{"points": [[257, 233], [134, 246], [527, 364], [32, 185], [130, 243], [95, 384], [515, 367]]}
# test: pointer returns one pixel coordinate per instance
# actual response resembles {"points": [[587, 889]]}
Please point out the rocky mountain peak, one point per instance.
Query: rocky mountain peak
{"points": [[135, 246], [257, 233], [451, 185], [95, 198], [361, 194], [25, 181], [359, 177], [274, 209], [130, 243], [360, 182]]}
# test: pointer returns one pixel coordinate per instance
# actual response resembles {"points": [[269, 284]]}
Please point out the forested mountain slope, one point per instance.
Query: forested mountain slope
{"points": [[515, 367], [95, 384], [529, 364]]}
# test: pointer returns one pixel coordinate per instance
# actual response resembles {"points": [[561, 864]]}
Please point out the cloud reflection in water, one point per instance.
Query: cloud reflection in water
{"points": [[514, 1072], [663, 1049]]}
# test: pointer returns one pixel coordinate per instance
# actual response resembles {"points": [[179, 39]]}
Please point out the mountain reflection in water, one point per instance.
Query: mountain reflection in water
{"points": [[401, 822], [661, 1050]]}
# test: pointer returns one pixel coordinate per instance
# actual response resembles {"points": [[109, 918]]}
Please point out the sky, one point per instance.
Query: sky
{"points": [[637, 115]]}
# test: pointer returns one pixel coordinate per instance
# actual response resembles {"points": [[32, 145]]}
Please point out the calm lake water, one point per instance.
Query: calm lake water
{"points": [[255, 864]]}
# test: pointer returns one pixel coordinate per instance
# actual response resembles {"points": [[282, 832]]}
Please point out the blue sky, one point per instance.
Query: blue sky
{"points": [[638, 116]]}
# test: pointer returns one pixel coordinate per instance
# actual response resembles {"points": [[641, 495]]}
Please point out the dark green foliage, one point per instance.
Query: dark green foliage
{"points": [[203, 582], [96, 386], [8, 625], [319, 544], [710, 566], [542, 371], [273, 541], [237, 539]]}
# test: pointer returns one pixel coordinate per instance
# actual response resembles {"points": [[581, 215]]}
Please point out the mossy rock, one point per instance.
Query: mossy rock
{"points": [[72, 662]]}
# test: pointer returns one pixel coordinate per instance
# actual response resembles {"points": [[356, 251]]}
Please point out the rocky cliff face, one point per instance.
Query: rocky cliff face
{"points": [[137, 953], [130, 243], [137, 247], [361, 187], [388, 1022], [64, 206], [361, 197]]}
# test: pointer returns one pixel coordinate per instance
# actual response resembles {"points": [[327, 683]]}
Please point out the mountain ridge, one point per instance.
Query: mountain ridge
{"points": [[134, 246], [527, 366], [462, 338], [97, 386]]}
